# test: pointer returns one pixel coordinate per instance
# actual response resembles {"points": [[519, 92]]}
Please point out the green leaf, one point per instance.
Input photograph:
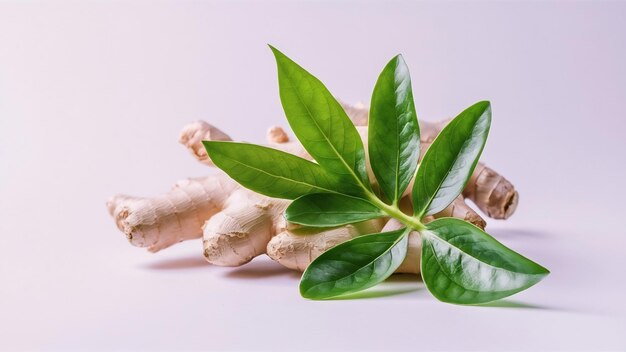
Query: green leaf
{"points": [[450, 160], [464, 265], [394, 136], [269, 171], [355, 265], [320, 123], [328, 210]]}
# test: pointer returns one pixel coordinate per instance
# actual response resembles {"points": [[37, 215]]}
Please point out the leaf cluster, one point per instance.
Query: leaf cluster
{"points": [[460, 263]]}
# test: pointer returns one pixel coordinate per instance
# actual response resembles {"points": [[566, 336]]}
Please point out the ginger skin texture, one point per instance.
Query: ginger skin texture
{"points": [[237, 224]]}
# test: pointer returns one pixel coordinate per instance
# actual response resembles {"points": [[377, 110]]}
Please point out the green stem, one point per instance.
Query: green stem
{"points": [[396, 213]]}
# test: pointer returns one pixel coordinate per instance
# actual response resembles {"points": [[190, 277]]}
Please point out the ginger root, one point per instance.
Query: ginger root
{"points": [[173, 217], [241, 231], [237, 224]]}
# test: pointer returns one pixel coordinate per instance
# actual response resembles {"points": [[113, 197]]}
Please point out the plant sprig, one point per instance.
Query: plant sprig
{"points": [[460, 263]]}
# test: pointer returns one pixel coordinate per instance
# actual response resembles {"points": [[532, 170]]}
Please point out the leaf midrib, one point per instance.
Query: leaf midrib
{"points": [[398, 129], [397, 185]]}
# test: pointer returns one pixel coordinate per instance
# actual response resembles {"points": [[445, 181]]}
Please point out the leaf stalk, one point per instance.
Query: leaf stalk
{"points": [[395, 212]]}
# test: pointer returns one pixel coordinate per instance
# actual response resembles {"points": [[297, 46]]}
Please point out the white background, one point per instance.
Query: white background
{"points": [[93, 94]]}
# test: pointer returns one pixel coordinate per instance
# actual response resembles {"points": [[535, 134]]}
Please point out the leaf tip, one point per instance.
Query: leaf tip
{"points": [[288, 215], [396, 61], [488, 109], [212, 147], [211, 143], [485, 104], [482, 109], [316, 297], [305, 292], [207, 145], [277, 53], [543, 271]]}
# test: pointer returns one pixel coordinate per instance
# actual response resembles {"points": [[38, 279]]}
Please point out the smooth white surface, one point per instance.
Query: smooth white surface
{"points": [[93, 94]]}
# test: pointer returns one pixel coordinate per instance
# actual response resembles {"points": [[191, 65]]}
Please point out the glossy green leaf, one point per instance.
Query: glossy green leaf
{"points": [[355, 265], [394, 137], [269, 171], [320, 123], [450, 160], [328, 210], [464, 265]]}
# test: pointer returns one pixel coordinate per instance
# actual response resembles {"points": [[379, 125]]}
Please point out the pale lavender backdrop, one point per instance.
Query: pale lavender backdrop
{"points": [[93, 94]]}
